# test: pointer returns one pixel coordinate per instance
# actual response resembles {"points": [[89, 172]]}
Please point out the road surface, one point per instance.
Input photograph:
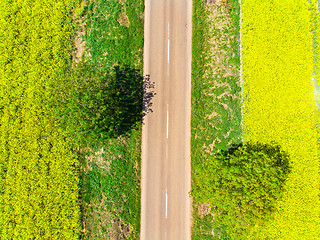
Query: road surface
{"points": [[165, 177]]}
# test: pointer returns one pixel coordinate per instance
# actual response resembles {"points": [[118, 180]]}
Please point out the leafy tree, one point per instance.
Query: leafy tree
{"points": [[243, 185]]}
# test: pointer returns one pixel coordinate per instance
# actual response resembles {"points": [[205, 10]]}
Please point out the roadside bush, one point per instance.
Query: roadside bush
{"points": [[101, 104], [243, 186]]}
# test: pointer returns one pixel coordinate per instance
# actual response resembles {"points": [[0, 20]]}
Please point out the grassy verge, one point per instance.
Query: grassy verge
{"points": [[279, 100], [101, 110], [110, 188], [216, 98]]}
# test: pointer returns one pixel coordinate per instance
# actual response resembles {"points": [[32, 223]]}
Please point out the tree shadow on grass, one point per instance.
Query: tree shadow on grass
{"points": [[97, 103], [232, 149], [125, 90], [131, 97]]}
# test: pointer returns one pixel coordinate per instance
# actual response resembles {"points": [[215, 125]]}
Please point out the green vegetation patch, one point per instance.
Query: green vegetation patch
{"points": [[115, 33], [110, 188], [241, 185], [216, 98], [100, 109]]}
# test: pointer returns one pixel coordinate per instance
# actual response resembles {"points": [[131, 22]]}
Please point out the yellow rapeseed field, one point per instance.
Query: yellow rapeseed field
{"points": [[277, 58], [38, 178]]}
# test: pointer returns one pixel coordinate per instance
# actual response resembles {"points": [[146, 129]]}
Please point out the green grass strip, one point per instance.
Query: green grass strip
{"points": [[115, 33], [111, 199], [216, 100]]}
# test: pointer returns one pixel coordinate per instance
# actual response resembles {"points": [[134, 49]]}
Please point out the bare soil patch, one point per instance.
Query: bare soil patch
{"points": [[123, 18], [78, 40]]}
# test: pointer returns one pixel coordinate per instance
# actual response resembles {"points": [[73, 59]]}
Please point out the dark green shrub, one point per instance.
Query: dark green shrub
{"points": [[242, 185]]}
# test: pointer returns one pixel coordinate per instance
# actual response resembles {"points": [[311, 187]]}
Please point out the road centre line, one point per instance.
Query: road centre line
{"points": [[168, 50], [168, 46], [166, 203], [167, 122]]}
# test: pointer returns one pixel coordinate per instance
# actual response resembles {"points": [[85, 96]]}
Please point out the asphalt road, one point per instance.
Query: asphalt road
{"points": [[166, 174]]}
